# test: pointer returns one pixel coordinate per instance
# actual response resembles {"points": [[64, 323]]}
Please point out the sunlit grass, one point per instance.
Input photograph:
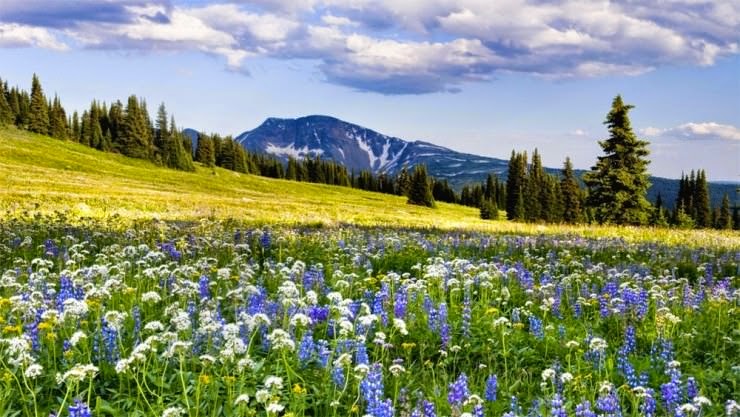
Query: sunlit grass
{"points": [[40, 175]]}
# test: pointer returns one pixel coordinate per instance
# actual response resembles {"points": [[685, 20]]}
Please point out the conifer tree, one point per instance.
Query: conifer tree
{"points": [[6, 113], [38, 118], [570, 194], [724, 218], [403, 182], [164, 150], [205, 153], [488, 210], [702, 211], [420, 192], [135, 134], [57, 120], [76, 132], [618, 182], [515, 183]]}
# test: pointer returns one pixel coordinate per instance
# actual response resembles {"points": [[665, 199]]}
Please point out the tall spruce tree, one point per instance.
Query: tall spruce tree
{"points": [[205, 153], [515, 183], [618, 182], [570, 194], [6, 113], [724, 218], [420, 193], [702, 211], [38, 117]]}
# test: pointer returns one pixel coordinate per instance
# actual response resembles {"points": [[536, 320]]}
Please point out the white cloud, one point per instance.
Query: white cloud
{"points": [[398, 47], [13, 35], [704, 130]]}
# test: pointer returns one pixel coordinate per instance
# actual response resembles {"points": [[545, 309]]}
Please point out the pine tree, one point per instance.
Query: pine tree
{"points": [[702, 211], [618, 182], [403, 182], [658, 217], [76, 132], [179, 157], [534, 189], [488, 210], [164, 150], [135, 136], [6, 113], [205, 153], [570, 194], [515, 183], [38, 120], [419, 191], [724, 219]]}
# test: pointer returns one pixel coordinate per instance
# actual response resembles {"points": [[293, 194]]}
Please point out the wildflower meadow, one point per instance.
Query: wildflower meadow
{"points": [[219, 319]]}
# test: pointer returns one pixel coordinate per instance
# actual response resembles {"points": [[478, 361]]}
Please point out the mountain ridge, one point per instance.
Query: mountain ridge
{"points": [[359, 148]]}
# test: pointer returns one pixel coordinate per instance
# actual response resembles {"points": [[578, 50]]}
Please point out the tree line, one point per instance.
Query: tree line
{"points": [[614, 192]]}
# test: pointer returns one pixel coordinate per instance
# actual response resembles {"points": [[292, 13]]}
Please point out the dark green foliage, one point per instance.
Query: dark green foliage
{"points": [[205, 152], [57, 120], [701, 209], [570, 195], [724, 217], [136, 135], [658, 217], [618, 182], [420, 192], [403, 182], [441, 191], [38, 118], [6, 113], [488, 210], [515, 186]]}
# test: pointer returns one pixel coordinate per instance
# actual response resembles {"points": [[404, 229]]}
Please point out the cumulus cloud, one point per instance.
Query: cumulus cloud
{"points": [[698, 131], [398, 47], [13, 35]]}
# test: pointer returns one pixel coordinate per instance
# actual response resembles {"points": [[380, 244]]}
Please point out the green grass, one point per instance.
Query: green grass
{"points": [[41, 175]]}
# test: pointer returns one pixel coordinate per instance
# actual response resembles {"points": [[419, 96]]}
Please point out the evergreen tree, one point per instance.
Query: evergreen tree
{"points": [[702, 211], [724, 218], [38, 118], [403, 182], [419, 191], [205, 153], [534, 189], [6, 113], [515, 184], [570, 194], [658, 217], [135, 136], [179, 157], [163, 147], [618, 182], [76, 132], [57, 120], [488, 210]]}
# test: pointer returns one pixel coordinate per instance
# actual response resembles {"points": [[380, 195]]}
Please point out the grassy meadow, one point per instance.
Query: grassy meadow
{"points": [[41, 175]]}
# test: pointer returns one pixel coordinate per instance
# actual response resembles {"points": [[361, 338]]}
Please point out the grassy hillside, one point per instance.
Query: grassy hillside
{"points": [[43, 175]]}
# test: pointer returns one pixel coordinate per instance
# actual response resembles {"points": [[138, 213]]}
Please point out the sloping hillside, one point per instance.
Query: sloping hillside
{"points": [[43, 175]]}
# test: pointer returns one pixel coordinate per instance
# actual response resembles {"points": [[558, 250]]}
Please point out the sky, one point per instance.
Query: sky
{"points": [[478, 76]]}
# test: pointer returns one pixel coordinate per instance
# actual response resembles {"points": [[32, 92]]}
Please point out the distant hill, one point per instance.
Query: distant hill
{"points": [[359, 148]]}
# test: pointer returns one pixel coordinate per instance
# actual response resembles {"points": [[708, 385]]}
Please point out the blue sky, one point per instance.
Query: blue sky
{"points": [[474, 75]]}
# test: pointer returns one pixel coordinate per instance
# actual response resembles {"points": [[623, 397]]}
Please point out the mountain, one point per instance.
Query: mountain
{"points": [[359, 148]]}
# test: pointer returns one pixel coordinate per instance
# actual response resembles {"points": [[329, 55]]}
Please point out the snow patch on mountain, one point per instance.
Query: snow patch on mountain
{"points": [[292, 151]]}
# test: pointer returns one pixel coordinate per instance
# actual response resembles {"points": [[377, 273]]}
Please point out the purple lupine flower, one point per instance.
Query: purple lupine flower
{"points": [[608, 404], [491, 388], [458, 391], [444, 327], [556, 407], [79, 409], [306, 349], [648, 406], [478, 411], [535, 327], [205, 293], [400, 302], [692, 389], [584, 410]]}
